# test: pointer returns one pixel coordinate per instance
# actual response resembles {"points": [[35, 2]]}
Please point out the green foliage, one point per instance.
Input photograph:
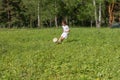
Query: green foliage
{"points": [[87, 54], [85, 11], [12, 13], [17, 13]]}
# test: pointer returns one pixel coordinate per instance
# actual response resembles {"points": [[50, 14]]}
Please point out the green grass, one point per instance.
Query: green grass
{"points": [[88, 54]]}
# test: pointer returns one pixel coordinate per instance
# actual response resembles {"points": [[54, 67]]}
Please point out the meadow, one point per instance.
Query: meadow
{"points": [[87, 54]]}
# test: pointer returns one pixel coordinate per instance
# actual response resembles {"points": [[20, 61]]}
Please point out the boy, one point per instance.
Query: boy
{"points": [[65, 33]]}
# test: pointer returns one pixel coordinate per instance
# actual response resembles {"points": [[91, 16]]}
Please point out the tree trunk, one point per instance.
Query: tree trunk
{"points": [[111, 14], [8, 15], [66, 19], [99, 21], [50, 23], [9, 20], [95, 13], [91, 23], [38, 15], [56, 23], [30, 21]]}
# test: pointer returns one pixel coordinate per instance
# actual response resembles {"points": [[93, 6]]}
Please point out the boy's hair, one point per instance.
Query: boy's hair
{"points": [[63, 21]]}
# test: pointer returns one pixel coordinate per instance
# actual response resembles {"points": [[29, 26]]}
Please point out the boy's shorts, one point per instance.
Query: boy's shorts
{"points": [[64, 35]]}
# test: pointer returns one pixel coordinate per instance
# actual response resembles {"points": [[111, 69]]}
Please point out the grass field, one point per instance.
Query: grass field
{"points": [[88, 54]]}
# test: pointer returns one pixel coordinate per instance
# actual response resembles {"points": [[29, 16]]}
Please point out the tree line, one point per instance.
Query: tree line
{"points": [[49, 13]]}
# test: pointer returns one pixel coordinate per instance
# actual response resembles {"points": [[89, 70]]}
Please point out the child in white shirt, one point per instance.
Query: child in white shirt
{"points": [[65, 33]]}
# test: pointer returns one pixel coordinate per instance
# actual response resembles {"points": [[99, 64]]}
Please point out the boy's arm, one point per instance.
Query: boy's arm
{"points": [[67, 30]]}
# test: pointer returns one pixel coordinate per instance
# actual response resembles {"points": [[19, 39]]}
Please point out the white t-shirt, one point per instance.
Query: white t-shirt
{"points": [[65, 29]]}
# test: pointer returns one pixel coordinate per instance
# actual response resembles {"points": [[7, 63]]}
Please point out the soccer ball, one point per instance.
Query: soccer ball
{"points": [[55, 40]]}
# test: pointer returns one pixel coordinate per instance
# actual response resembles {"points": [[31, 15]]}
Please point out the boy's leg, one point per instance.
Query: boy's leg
{"points": [[63, 36], [60, 39]]}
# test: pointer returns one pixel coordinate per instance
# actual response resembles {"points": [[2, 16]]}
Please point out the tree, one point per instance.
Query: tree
{"points": [[12, 13], [111, 10], [31, 12], [45, 11], [42, 13], [97, 10], [85, 12]]}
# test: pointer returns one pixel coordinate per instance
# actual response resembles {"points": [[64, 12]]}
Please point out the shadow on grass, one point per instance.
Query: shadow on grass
{"points": [[72, 40]]}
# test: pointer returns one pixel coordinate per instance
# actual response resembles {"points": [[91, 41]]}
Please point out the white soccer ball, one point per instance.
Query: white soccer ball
{"points": [[55, 40]]}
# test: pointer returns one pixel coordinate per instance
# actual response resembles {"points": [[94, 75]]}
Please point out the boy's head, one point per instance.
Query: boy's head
{"points": [[64, 22]]}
